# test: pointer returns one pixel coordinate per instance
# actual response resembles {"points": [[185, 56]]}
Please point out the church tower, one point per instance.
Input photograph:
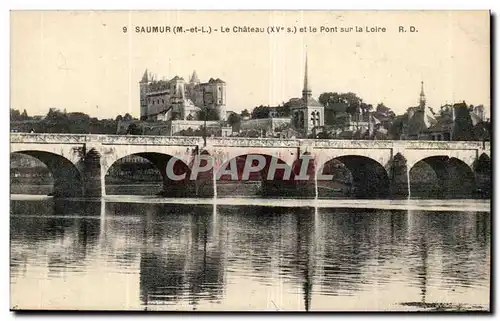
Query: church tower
{"points": [[310, 113]]}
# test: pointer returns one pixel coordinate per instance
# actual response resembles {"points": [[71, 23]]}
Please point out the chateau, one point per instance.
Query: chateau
{"points": [[164, 100]]}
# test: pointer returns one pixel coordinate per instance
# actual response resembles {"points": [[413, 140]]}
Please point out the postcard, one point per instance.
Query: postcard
{"points": [[250, 161]]}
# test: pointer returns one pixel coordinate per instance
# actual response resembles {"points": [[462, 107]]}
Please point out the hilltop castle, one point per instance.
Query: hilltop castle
{"points": [[164, 100]]}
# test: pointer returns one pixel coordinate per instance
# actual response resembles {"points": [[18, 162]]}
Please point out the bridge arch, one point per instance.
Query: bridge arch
{"points": [[67, 178], [151, 168], [233, 180], [442, 177], [353, 175]]}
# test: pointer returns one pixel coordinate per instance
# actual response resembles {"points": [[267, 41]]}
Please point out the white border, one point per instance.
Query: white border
{"points": [[193, 5]]}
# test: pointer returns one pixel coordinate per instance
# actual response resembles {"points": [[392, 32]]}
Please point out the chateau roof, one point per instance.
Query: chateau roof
{"points": [[194, 77], [145, 77]]}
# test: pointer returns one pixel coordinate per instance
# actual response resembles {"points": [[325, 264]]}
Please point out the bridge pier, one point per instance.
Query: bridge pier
{"points": [[304, 188], [205, 185], [399, 177], [93, 175], [482, 175]]}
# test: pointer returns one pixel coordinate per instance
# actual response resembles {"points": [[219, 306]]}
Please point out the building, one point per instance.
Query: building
{"points": [[357, 122], [423, 123], [165, 100], [309, 113], [299, 118], [266, 127], [420, 119]]}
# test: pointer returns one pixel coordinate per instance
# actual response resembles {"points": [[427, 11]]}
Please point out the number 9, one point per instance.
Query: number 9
{"points": [[124, 29]]}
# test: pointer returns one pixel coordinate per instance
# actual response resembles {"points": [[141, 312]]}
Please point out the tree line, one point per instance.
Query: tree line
{"points": [[339, 107], [57, 121]]}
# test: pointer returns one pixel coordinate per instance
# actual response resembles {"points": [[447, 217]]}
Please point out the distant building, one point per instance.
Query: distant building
{"points": [[267, 127], [174, 107], [356, 123], [176, 128], [304, 117], [423, 123], [420, 119]]}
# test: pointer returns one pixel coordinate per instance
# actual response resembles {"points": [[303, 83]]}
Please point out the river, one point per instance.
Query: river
{"points": [[150, 253]]}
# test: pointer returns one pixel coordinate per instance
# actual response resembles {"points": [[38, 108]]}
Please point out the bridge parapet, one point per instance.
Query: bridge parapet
{"points": [[253, 142], [399, 144], [150, 140], [52, 138], [243, 141], [103, 139]]}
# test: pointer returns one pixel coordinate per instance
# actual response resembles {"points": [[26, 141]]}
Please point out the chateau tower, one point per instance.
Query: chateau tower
{"points": [[194, 79], [143, 84], [177, 96]]}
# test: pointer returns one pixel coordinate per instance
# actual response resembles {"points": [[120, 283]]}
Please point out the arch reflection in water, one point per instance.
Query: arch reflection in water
{"points": [[215, 257]]}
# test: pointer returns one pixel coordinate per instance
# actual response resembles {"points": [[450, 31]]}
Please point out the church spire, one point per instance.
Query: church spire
{"points": [[422, 96], [306, 91]]}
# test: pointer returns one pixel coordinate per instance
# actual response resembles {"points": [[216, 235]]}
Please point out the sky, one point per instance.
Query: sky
{"points": [[83, 61]]}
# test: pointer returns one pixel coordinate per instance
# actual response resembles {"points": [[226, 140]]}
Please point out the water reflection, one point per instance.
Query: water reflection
{"points": [[215, 257]]}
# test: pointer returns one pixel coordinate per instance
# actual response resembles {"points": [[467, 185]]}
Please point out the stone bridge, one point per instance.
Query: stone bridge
{"points": [[79, 163]]}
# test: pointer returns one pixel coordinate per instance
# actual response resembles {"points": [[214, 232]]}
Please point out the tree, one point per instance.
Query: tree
{"points": [[282, 127], [15, 115], [24, 115], [245, 113], [127, 117], [260, 112], [286, 108], [250, 133], [482, 131], [462, 128], [187, 132], [55, 115], [119, 118], [208, 114], [396, 127], [234, 120], [383, 110], [351, 100], [133, 129]]}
